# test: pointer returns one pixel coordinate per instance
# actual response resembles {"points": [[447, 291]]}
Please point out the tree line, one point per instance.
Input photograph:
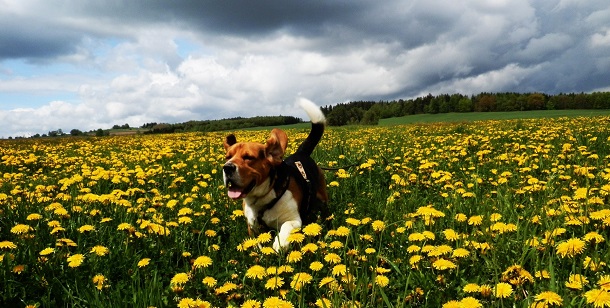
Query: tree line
{"points": [[370, 112]]}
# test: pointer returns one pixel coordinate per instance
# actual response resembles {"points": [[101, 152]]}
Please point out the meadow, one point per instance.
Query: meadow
{"points": [[510, 213]]}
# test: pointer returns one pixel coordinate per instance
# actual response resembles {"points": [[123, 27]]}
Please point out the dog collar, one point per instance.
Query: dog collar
{"points": [[281, 180]]}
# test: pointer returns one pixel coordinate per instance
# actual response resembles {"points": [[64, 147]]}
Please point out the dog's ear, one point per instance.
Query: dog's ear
{"points": [[276, 146], [229, 141]]}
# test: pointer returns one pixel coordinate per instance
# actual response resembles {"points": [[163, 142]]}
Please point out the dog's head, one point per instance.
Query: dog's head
{"points": [[248, 163]]}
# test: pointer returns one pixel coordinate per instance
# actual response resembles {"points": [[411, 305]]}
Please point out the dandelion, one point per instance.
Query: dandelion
{"points": [[309, 247], [475, 220], [470, 302], [143, 262], [342, 231], [34, 216], [570, 248], [47, 251], [604, 282], [124, 226], [471, 288], [548, 298], [99, 281], [597, 297], [378, 225], [576, 281], [460, 253], [251, 303], [312, 229], [451, 235], [332, 258], [256, 272], [86, 228], [323, 303], [21, 229], [179, 279], [99, 250], [335, 245], [276, 302], [382, 280], [75, 260], [274, 283], [316, 266], [294, 256], [209, 281], [18, 269], [503, 290], [339, 270], [443, 264], [593, 237], [299, 280]]}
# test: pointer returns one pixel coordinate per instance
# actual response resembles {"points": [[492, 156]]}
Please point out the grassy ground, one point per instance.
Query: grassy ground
{"points": [[511, 213], [481, 116]]}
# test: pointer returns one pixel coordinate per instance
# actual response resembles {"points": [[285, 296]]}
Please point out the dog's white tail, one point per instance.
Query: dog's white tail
{"points": [[313, 111]]}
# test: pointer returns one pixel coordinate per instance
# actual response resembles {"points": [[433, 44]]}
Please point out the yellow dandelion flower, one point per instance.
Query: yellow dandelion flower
{"points": [[460, 217], [225, 288], [256, 272], [472, 288], [413, 248], [209, 281], [416, 237], [202, 261], [470, 302], [414, 260], [187, 302], [310, 247], [460, 253], [316, 266], [268, 251], [332, 258], [276, 302], [21, 229], [486, 290], [452, 304], [576, 281], [571, 247], [443, 264], [99, 250], [342, 231], [339, 270], [353, 221], [604, 282], [86, 228], [451, 235], [312, 229], [180, 278], [47, 251], [593, 237], [503, 290], [17, 269], [124, 226], [251, 303], [542, 274], [382, 280], [274, 283], [378, 225], [264, 238], [327, 281], [99, 281], [323, 303], [548, 298], [597, 297], [370, 250], [75, 260], [335, 245], [34, 216], [296, 237], [299, 280], [143, 262], [475, 220], [294, 256]]}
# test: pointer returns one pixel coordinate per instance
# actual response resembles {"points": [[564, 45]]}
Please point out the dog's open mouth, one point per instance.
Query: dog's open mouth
{"points": [[237, 192]]}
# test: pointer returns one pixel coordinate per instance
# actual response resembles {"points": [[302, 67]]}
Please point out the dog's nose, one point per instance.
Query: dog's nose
{"points": [[229, 168]]}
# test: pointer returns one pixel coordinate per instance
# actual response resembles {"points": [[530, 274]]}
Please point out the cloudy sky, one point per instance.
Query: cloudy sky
{"points": [[92, 64]]}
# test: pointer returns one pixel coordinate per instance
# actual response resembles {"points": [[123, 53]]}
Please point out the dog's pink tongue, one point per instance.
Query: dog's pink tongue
{"points": [[234, 193]]}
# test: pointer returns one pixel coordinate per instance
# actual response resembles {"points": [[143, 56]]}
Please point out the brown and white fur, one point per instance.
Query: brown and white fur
{"points": [[252, 173]]}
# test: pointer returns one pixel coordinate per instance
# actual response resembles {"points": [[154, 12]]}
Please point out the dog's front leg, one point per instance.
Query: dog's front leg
{"points": [[281, 240]]}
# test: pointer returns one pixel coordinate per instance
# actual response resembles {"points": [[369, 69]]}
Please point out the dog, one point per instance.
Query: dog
{"points": [[279, 195]]}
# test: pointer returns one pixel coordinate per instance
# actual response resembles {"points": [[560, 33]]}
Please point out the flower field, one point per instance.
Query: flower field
{"points": [[481, 214]]}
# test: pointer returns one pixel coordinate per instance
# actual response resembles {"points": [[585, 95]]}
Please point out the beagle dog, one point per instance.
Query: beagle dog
{"points": [[279, 195]]}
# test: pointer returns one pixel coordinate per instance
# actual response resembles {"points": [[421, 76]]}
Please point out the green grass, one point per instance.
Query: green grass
{"points": [[482, 116]]}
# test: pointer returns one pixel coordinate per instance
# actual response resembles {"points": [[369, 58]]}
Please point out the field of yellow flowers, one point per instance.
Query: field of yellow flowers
{"points": [[477, 214]]}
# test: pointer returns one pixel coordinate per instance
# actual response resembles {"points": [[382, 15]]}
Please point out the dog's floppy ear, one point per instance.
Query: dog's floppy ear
{"points": [[276, 146], [229, 141]]}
